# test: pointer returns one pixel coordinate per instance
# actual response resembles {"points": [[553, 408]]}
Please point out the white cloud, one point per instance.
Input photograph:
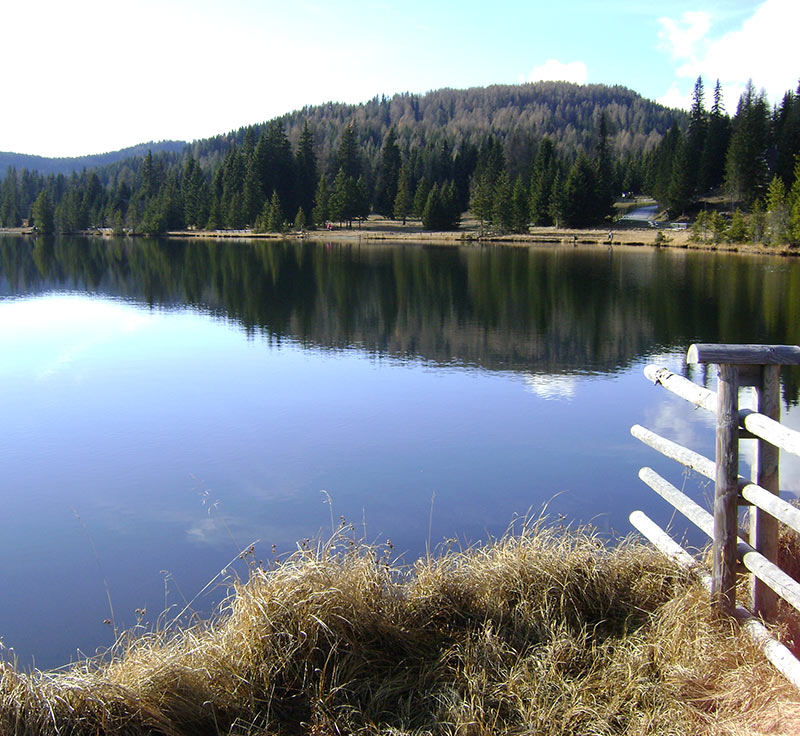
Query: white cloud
{"points": [[763, 49], [557, 71], [675, 97], [683, 37]]}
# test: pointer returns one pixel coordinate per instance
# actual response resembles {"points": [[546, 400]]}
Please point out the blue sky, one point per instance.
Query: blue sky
{"points": [[98, 75]]}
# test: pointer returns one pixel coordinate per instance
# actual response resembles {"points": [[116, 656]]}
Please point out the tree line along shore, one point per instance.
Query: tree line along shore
{"points": [[548, 155]]}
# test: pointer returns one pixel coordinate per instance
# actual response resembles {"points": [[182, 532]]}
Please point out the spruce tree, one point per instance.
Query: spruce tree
{"points": [[347, 158], [543, 173], [320, 213], [746, 164], [681, 184], [404, 200], [712, 160], [520, 206], [421, 196], [388, 175], [580, 205], [557, 205], [9, 200], [502, 207], [604, 183], [43, 213], [696, 138], [306, 167], [275, 219], [778, 212]]}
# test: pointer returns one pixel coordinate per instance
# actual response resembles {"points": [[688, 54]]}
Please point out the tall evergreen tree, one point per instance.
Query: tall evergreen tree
{"points": [[715, 147], [681, 184], [347, 158], [404, 200], [9, 200], [696, 138], [502, 205], [778, 212], [746, 163], [787, 136], [195, 194], [580, 204], [320, 213], [604, 196], [543, 174], [274, 164], [44, 213], [306, 166], [388, 173], [520, 206]]}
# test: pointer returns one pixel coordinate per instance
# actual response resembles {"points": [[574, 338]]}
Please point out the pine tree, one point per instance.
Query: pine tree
{"points": [[712, 160], [9, 200], [433, 213], [403, 201], [421, 196], [520, 206], [794, 206], [306, 167], [450, 205], [580, 207], [778, 212], [274, 165], [746, 165], [502, 208], [320, 213], [347, 158], [604, 184], [275, 221], [696, 138], [195, 194], [481, 199], [43, 213], [543, 174], [787, 136], [681, 184], [388, 175], [557, 204]]}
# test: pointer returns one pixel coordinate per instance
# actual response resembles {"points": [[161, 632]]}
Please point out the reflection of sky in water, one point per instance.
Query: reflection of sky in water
{"points": [[551, 387], [178, 441]]}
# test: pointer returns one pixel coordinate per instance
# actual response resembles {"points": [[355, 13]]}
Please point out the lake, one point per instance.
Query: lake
{"points": [[169, 403]]}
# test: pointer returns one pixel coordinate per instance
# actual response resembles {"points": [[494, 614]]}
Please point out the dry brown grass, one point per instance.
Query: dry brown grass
{"points": [[546, 632]]}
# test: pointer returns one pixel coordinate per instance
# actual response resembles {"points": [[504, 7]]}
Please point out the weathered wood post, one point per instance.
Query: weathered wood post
{"points": [[726, 490], [758, 366]]}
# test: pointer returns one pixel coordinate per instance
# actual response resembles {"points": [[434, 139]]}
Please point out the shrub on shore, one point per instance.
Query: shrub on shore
{"points": [[547, 632]]}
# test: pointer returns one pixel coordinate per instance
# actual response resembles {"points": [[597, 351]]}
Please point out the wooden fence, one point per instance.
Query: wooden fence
{"points": [[737, 366]]}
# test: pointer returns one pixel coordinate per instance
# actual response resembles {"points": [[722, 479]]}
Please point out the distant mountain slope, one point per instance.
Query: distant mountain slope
{"points": [[517, 114], [66, 166]]}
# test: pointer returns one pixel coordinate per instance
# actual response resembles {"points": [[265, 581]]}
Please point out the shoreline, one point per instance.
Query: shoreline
{"points": [[378, 229]]}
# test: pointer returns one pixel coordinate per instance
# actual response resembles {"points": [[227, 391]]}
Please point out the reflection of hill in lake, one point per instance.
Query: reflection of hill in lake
{"points": [[550, 310]]}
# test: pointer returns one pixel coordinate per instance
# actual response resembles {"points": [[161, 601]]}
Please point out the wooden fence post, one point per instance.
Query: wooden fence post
{"points": [[764, 526], [726, 491]]}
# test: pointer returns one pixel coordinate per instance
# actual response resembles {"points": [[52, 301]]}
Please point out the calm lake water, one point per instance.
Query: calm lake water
{"points": [[166, 404]]}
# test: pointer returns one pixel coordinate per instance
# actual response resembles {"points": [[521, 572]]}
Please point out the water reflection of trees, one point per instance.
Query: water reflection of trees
{"points": [[541, 309]]}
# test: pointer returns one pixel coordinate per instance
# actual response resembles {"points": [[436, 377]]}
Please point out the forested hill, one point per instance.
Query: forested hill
{"points": [[519, 115], [67, 165]]}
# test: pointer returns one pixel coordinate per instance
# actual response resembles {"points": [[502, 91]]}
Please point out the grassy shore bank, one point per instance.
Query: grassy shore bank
{"points": [[377, 228], [547, 632]]}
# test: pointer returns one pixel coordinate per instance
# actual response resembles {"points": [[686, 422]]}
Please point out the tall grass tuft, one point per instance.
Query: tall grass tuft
{"points": [[544, 632]]}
